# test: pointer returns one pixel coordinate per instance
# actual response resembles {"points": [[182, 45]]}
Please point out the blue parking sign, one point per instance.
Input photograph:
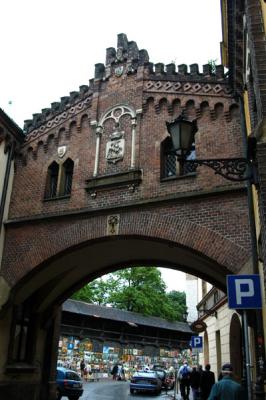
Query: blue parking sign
{"points": [[244, 291], [196, 342]]}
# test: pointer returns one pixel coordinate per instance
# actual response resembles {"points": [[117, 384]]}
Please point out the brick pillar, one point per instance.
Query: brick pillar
{"points": [[261, 157], [48, 388]]}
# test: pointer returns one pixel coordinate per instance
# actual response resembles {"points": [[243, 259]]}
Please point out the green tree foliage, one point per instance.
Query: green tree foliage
{"points": [[178, 302], [84, 294], [138, 289], [96, 292]]}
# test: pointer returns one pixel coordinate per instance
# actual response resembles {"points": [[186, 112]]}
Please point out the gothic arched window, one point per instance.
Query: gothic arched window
{"points": [[52, 179], [59, 179], [66, 178]]}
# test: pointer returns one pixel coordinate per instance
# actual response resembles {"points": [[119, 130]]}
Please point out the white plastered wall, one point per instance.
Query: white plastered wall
{"points": [[222, 324], [191, 297]]}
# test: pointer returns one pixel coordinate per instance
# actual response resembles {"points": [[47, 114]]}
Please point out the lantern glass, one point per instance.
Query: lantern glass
{"points": [[182, 133]]}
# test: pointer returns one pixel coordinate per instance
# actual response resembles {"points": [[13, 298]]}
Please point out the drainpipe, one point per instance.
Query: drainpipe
{"points": [[6, 180], [257, 314]]}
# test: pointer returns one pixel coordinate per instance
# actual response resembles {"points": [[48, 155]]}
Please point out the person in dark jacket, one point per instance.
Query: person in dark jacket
{"points": [[82, 367], [207, 381], [195, 382], [114, 372], [227, 388]]}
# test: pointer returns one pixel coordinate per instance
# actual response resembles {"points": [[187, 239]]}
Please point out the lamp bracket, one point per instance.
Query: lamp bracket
{"points": [[234, 169], [209, 312]]}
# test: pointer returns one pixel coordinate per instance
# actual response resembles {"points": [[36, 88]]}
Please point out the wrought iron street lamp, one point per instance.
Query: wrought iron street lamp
{"points": [[185, 315], [182, 132]]}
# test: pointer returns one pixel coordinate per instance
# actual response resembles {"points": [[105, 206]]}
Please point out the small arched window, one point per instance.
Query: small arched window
{"points": [[169, 163], [52, 179], [59, 179], [67, 175]]}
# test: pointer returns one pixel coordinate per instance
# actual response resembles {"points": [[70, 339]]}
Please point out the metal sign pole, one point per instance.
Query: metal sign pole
{"points": [[244, 292], [175, 387], [247, 355]]}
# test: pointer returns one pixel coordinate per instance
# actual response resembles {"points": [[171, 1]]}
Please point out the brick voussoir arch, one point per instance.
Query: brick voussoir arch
{"points": [[188, 234], [35, 243]]}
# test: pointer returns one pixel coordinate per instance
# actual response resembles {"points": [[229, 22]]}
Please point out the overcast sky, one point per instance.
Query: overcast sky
{"points": [[49, 48]]}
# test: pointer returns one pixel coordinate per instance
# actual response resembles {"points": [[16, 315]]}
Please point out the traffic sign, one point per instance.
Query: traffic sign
{"points": [[196, 342], [244, 291]]}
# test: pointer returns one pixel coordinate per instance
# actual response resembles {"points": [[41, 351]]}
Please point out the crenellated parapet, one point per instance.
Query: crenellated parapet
{"points": [[127, 60], [58, 112]]}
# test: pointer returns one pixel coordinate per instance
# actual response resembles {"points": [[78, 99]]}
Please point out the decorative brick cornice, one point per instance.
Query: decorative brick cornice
{"points": [[58, 119], [194, 88]]}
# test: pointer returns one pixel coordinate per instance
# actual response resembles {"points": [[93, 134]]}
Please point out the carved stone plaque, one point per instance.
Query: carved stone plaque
{"points": [[115, 150], [119, 70], [113, 224]]}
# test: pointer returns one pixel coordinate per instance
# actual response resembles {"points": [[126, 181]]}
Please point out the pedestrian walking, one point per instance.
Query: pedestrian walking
{"points": [[206, 382], [195, 382], [114, 371], [82, 367], [85, 374], [227, 388], [184, 379]]}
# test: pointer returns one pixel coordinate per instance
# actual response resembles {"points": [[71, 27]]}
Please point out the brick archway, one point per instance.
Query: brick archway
{"points": [[58, 236], [38, 245]]}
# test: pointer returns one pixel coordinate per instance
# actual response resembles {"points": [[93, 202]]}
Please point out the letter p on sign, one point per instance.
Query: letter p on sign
{"points": [[244, 288], [196, 342], [244, 291]]}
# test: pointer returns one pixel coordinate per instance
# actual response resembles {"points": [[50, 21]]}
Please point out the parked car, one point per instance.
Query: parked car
{"points": [[68, 383], [168, 381], [145, 381]]}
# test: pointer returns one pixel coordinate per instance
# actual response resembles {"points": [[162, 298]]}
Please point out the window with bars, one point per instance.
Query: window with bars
{"points": [[59, 179], [170, 166], [52, 178], [67, 175]]}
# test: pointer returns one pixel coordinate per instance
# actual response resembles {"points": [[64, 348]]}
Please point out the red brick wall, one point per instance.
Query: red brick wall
{"points": [[161, 97]]}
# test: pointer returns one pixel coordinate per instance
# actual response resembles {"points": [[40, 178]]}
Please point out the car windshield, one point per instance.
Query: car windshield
{"points": [[145, 374], [72, 376], [161, 374]]}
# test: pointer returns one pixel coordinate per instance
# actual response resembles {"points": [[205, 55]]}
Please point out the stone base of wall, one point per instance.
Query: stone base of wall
{"points": [[27, 391]]}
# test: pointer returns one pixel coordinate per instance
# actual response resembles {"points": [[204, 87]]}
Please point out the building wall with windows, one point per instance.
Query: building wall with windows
{"points": [[11, 138], [243, 52], [218, 340]]}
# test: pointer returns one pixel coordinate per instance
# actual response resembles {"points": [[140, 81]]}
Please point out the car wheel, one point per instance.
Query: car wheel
{"points": [[132, 391], [158, 392], [73, 398]]}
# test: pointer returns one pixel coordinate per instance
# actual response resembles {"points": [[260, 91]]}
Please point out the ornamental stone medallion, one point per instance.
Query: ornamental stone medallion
{"points": [[119, 70], [61, 151]]}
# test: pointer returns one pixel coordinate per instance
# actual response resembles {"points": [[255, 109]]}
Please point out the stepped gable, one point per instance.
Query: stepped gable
{"points": [[127, 59]]}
